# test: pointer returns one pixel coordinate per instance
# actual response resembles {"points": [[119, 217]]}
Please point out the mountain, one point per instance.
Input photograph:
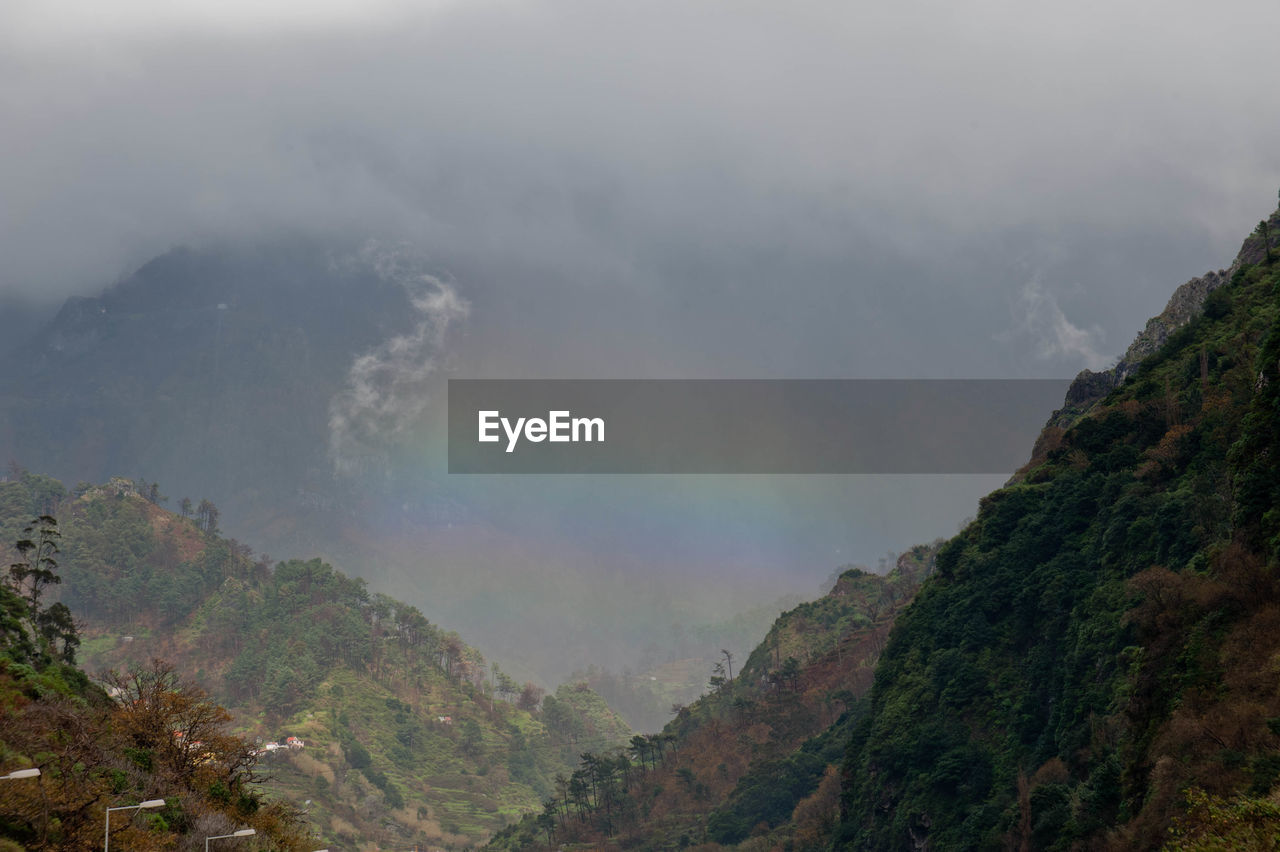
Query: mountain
{"points": [[407, 735], [1091, 665], [149, 746], [298, 385], [176, 369], [765, 741]]}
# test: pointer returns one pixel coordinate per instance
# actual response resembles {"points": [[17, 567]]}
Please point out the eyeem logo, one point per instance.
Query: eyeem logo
{"points": [[755, 426], [559, 428]]}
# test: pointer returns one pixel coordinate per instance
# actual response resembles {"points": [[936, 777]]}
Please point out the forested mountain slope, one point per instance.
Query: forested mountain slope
{"points": [[756, 756], [299, 384], [408, 734], [1093, 662], [150, 746]]}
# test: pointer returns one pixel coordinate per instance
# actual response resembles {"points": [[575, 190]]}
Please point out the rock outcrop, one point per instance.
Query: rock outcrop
{"points": [[1184, 305]]}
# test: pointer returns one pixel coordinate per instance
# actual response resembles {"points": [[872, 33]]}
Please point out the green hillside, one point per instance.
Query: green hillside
{"points": [[149, 747], [409, 735], [1093, 663], [1090, 664]]}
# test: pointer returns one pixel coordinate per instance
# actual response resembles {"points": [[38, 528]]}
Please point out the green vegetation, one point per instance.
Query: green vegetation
{"points": [[158, 738], [408, 734], [1091, 663], [756, 755], [1098, 641], [768, 794]]}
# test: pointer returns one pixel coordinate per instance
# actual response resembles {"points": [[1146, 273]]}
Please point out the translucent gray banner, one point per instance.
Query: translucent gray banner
{"points": [[790, 426]]}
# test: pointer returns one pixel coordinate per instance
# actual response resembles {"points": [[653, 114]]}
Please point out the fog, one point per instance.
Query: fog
{"points": [[666, 189], [654, 148]]}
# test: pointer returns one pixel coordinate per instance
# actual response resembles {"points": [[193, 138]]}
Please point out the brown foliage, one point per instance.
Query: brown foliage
{"points": [[816, 816], [174, 720], [95, 753], [530, 697], [1217, 637]]}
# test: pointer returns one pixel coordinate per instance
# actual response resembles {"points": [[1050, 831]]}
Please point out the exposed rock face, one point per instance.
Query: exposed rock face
{"points": [[1185, 305], [1253, 250]]}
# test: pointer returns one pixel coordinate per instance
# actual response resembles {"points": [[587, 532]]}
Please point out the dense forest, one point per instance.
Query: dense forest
{"points": [[1092, 664]]}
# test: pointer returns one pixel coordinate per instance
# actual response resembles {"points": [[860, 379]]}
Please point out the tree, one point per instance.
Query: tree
{"points": [[207, 517], [452, 655], [1264, 230], [185, 507], [718, 679], [506, 685], [15, 638], [728, 661], [36, 567], [530, 697], [640, 748], [547, 821], [183, 733], [53, 626], [357, 755], [58, 629], [472, 738]]}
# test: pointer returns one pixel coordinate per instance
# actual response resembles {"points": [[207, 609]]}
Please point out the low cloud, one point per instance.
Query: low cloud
{"points": [[1038, 315], [387, 386]]}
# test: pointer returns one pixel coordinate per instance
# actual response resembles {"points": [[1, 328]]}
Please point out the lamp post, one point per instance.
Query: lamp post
{"points": [[20, 773], [106, 834], [244, 832]]}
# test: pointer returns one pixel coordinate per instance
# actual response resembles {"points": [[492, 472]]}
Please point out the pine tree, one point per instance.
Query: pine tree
{"points": [[36, 567]]}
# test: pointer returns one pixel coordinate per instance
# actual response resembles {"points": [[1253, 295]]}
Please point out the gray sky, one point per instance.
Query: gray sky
{"points": [[672, 189], [712, 166]]}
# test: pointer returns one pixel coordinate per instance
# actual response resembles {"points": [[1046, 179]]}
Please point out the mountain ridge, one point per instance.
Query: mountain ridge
{"points": [[1185, 304], [1019, 701], [408, 734], [1072, 675]]}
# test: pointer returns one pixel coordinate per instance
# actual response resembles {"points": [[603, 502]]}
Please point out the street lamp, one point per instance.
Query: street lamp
{"points": [[147, 805], [244, 832], [20, 773]]}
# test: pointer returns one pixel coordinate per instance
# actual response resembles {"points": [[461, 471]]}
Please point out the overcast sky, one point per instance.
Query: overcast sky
{"points": [[920, 188], [672, 189]]}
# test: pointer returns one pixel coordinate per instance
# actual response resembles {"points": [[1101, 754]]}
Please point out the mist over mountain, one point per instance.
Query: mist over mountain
{"points": [[247, 243], [299, 385], [296, 385], [668, 191], [1084, 666]]}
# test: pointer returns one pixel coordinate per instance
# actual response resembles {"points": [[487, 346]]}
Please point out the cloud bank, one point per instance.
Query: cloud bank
{"points": [[882, 162]]}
